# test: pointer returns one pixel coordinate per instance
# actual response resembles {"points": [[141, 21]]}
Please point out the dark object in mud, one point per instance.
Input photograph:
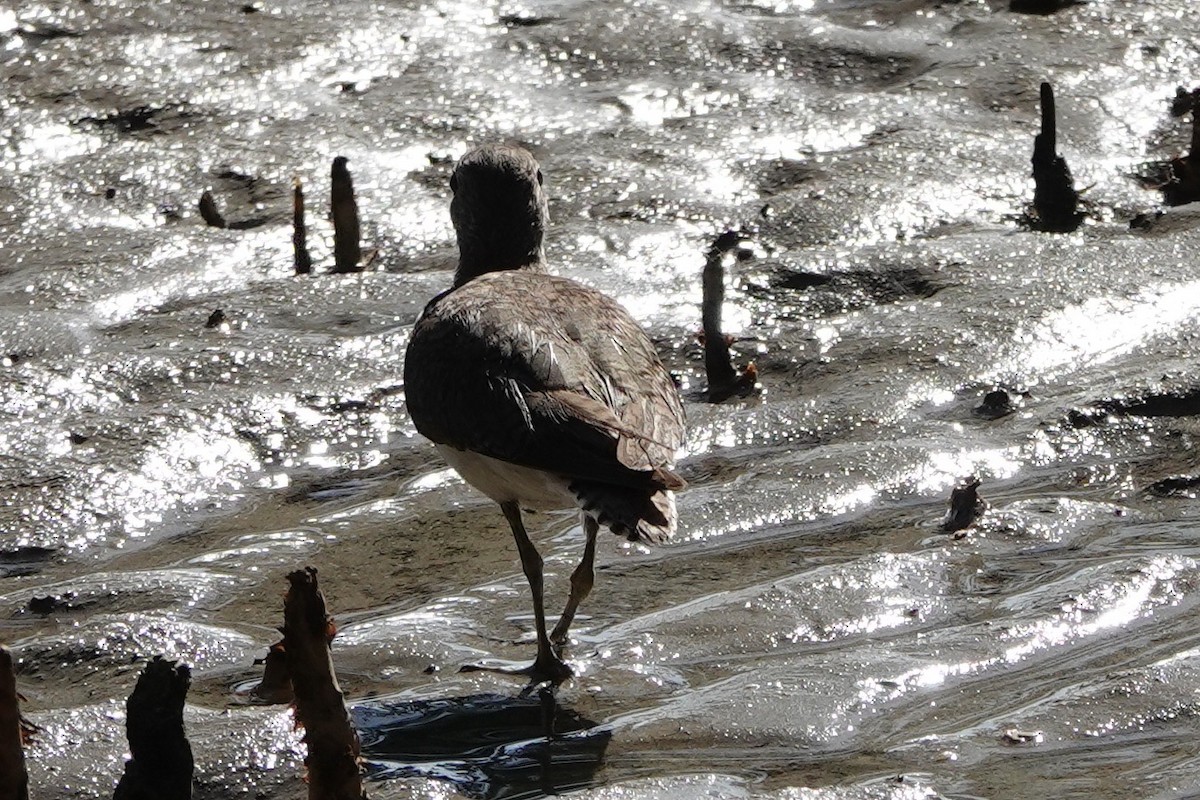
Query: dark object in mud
{"points": [[525, 19], [996, 403], [276, 684], [1055, 201], [1182, 185], [1041, 6], [39, 32], [161, 764], [346, 233], [209, 213], [131, 120], [52, 603], [333, 747], [1179, 403], [14, 779], [214, 219], [215, 319], [1000, 402], [966, 506], [1144, 221], [1175, 486], [24, 560], [724, 380], [301, 260]]}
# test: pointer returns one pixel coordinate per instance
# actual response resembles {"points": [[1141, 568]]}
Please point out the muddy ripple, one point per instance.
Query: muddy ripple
{"points": [[813, 633]]}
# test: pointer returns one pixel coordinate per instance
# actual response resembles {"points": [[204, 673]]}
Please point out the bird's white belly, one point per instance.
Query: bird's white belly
{"points": [[505, 482]]}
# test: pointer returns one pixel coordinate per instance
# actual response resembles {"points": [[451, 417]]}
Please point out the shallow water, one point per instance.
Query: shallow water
{"points": [[812, 633]]}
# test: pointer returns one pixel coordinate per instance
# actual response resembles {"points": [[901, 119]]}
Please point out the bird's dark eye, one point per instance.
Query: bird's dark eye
{"points": [[539, 177], [454, 181]]}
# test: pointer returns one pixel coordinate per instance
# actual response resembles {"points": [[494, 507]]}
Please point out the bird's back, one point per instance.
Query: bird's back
{"points": [[545, 373]]}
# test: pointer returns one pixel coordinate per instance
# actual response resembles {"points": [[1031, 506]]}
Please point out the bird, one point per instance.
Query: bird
{"points": [[541, 392]]}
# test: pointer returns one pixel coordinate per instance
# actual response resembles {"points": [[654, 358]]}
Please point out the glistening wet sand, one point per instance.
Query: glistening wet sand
{"points": [[812, 633]]}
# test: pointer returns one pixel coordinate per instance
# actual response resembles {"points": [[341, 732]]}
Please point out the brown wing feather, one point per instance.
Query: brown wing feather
{"points": [[544, 372]]}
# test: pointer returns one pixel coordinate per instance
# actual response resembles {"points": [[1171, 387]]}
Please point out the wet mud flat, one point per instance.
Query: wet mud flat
{"points": [[814, 632]]}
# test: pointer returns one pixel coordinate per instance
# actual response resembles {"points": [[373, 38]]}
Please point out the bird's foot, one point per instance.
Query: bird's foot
{"points": [[550, 669]]}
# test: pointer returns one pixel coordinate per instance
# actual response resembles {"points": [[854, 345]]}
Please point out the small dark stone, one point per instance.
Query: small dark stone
{"points": [[996, 403], [1175, 486], [44, 605], [1144, 221], [215, 319], [110, 193]]}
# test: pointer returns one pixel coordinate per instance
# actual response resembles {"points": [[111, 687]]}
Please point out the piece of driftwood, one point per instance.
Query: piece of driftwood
{"points": [[161, 764], [333, 747], [209, 212], [1183, 183], [724, 380], [276, 684], [14, 779], [1055, 201], [966, 506], [301, 260], [347, 251]]}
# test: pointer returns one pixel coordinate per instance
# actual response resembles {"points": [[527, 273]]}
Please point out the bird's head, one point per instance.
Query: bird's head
{"points": [[499, 211]]}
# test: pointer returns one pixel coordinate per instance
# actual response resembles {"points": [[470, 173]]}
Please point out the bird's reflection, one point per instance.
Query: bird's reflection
{"points": [[488, 745]]}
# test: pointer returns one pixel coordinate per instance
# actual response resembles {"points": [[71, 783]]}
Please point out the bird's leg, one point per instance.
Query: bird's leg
{"points": [[581, 582], [548, 664]]}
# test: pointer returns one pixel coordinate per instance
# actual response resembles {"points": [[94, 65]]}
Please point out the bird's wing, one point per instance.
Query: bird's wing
{"points": [[564, 381]]}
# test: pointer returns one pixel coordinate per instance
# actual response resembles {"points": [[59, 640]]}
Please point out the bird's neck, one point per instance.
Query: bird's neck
{"points": [[475, 259]]}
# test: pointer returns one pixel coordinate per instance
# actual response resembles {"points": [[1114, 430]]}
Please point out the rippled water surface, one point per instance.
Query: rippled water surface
{"points": [[812, 633]]}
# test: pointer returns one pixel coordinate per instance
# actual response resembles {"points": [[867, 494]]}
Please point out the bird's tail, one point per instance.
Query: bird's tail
{"points": [[639, 515]]}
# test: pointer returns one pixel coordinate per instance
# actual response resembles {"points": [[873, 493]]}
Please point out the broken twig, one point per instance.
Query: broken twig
{"points": [[14, 779], [723, 379], [1055, 201], [209, 213], [160, 767], [347, 251], [1183, 183], [301, 260], [333, 747]]}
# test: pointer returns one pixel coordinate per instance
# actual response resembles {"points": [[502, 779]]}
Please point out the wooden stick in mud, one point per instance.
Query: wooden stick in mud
{"points": [[161, 764], [209, 213], [1184, 184], [14, 779], [1195, 109], [276, 684], [301, 260], [723, 379], [1055, 201], [333, 747], [966, 506], [346, 233]]}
